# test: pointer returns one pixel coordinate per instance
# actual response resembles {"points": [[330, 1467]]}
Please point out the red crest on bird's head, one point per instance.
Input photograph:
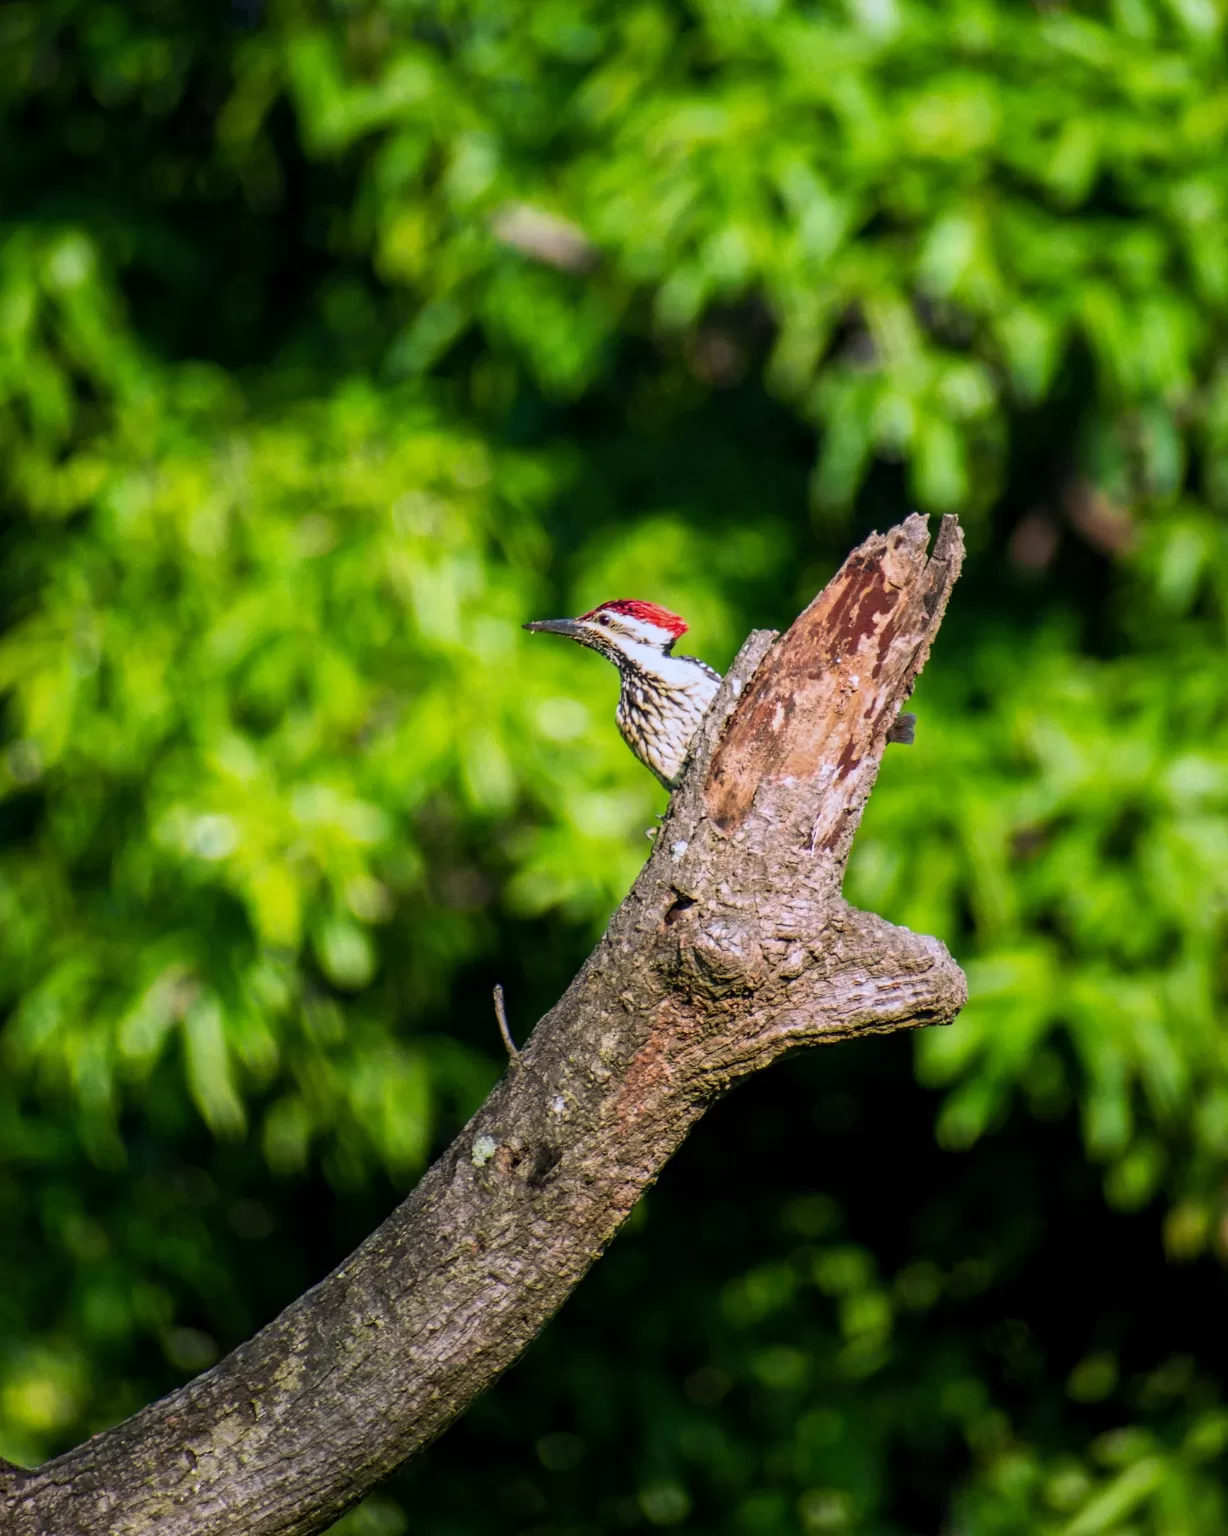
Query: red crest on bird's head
{"points": [[647, 613]]}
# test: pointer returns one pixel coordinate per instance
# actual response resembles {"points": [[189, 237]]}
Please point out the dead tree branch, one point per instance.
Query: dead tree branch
{"points": [[733, 946]]}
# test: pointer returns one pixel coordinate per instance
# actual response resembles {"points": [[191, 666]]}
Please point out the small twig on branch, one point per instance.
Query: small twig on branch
{"points": [[501, 1016]]}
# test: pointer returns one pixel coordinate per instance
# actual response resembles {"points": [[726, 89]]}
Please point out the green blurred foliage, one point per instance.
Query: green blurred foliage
{"points": [[337, 338]]}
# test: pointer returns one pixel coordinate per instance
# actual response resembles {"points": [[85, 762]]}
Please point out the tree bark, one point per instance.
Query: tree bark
{"points": [[733, 946]]}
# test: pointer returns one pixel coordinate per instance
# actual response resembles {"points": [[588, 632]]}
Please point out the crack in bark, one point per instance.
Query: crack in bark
{"points": [[734, 946]]}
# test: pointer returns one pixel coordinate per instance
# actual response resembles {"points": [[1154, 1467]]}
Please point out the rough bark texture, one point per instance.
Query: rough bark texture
{"points": [[733, 946]]}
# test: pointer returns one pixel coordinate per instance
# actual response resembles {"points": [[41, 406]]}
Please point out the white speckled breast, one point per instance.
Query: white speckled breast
{"points": [[658, 714]]}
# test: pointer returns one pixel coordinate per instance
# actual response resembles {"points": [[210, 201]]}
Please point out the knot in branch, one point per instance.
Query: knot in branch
{"points": [[717, 954]]}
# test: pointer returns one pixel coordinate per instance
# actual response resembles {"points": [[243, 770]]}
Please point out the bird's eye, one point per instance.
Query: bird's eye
{"points": [[603, 618]]}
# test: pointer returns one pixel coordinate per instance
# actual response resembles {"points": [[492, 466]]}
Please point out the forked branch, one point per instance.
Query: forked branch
{"points": [[733, 946]]}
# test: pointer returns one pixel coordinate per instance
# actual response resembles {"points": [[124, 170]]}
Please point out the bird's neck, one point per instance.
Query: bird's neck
{"points": [[638, 663]]}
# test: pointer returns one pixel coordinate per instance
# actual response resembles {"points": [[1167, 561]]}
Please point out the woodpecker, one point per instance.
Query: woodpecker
{"points": [[662, 697]]}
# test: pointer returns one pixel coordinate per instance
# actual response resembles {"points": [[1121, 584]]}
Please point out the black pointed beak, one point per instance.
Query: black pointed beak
{"points": [[568, 627]]}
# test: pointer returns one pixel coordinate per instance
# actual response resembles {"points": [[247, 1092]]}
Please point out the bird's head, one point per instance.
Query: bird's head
{"points": [[624, 630]]}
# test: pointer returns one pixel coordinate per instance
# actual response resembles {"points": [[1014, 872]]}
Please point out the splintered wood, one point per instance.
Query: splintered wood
{"points": [[861, 642]]}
